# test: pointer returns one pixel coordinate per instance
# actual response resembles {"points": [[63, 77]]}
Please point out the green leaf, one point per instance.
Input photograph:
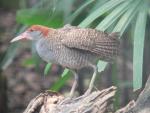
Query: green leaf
{"points": [[38, 16], [100, 11], [113, 16], [28, 62], [98, 4], [101, 65], [65, 72], [126, 18], [78, 11], [11, 52], [47, 68], [60, 5], [61, 82], [139, 35], [31, 16]]}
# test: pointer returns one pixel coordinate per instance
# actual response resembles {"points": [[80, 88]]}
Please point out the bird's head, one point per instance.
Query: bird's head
{"points": [[35, 32]]}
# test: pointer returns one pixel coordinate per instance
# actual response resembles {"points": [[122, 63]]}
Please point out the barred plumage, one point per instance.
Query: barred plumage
{"points": [[73, 47], [72, 43]]}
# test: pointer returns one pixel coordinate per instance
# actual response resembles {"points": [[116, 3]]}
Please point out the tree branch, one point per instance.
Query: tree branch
{"points": [[50, 102], [96, 102], [142, 105]]}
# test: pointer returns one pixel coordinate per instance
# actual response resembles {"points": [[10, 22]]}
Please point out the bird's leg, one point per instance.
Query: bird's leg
{"points": [[92, 81], [72, 89], [74, 84]]}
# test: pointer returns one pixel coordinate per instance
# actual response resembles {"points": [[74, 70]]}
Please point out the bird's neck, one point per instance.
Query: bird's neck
{"points": [[45, 50]]}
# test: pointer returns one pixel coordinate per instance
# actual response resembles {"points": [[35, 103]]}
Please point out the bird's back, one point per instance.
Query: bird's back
{"points": [[92, 41], [76, 48]]}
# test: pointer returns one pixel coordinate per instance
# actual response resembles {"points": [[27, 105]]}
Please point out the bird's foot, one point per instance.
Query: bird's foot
{"points": [[88, 91], [84, 95]]}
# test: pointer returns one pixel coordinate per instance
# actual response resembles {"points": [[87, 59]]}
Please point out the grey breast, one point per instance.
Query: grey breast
{"points": [[44, 51]]}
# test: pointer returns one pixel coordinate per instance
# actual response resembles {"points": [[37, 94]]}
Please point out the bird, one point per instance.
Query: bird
{"points": [[73, 47]]}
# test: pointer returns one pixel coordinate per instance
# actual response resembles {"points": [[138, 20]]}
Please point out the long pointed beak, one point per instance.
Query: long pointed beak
{"points": [[24, 35]]}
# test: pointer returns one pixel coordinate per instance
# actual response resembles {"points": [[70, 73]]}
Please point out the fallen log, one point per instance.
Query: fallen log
{"points": [[96, 102]]}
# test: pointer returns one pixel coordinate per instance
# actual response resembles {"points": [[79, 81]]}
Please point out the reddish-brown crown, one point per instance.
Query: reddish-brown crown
{"points": [[45, 30]]}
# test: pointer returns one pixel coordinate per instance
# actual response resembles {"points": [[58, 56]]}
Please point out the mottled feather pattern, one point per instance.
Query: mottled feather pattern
{"points": [[103, 44], [76, 47], [107, 47], [73, 47]]}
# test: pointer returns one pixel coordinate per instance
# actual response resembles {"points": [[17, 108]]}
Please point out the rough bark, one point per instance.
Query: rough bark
{"points": [[96, 102], [51, 102], [142, 105]]}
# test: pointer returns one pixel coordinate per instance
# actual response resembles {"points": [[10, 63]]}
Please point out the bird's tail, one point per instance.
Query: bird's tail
{"points": [[108, 47]]}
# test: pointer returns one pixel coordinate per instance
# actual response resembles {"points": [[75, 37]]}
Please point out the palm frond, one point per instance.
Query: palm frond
{"points": [[139, 36]]}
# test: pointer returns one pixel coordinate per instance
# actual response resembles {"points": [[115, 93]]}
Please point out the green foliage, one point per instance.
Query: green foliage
{"points": [[47, 68], [106, 7], [78, 11], [29, 62], [61, 82], [113, 16], [65, 72], [8, 57], [39, 16], [10, 53], [101, 65], [139, 36]]}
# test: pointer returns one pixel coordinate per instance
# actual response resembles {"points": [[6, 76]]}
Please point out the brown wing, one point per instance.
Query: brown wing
{"points": [[94, 41]]}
